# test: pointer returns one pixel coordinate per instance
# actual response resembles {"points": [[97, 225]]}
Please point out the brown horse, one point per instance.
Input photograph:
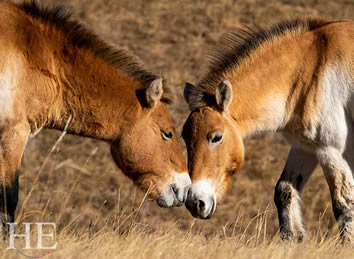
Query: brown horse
{"points": [[296, 77], [53, 72]]}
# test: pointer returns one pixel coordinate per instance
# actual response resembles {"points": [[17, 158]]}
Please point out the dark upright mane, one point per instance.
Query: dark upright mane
{"points": [[82, 37], [239, 44]]}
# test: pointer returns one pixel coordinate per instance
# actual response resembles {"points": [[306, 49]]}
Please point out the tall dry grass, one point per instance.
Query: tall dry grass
{"points": [[128, 237]]}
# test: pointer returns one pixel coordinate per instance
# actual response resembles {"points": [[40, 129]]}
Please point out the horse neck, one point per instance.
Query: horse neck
{"points": [[268, 85], [96, 99]]}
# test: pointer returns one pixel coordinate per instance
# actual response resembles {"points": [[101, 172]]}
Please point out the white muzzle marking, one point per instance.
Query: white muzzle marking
{"points": [[175, 193], [202, 198], [182, 183]]}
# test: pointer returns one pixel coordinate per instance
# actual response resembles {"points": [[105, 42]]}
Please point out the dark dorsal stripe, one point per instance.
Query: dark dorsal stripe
{"points": [[82, 37], [240, 43]]}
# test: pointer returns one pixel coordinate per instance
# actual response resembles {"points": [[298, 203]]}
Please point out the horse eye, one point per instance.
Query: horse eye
{"points": [[166, 136], [216, 139]]}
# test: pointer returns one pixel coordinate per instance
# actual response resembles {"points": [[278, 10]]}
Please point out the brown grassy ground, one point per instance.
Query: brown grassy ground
{"points": [[81, 188]]}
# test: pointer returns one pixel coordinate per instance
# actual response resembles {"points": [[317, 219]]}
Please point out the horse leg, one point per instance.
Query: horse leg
{"points": [[12, 144], [298, 169], [341, 184], [8, 203]]}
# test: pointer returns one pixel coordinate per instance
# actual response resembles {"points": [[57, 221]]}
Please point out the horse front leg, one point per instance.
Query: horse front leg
{"points": [[8, 204], [298, 169], [12, 144]]}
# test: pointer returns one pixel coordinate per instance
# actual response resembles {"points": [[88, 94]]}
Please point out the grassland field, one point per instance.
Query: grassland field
{"points": [[99, 213]]}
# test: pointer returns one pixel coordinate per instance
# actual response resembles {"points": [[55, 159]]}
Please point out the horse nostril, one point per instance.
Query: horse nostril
{"points": [[174, 189], [178, 199], [186, 193], [175, 192], [189, 192], [201, 205]]}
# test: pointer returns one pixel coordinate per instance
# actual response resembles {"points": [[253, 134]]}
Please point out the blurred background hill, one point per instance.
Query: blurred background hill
{"points": [[79, 184]]}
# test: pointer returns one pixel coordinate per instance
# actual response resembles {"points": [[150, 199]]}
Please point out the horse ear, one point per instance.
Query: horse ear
{"points": [[224, 95], [189, 89], [154, 92]]}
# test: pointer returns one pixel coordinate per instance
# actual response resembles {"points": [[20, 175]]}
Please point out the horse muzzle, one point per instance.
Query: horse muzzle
{"points": [[201, 200], [175, 194]]}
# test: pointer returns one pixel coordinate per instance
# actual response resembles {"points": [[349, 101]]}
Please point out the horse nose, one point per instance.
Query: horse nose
{"points": [[201, 200], [180, 187], [201, 207], [175, 193], [169, 198], [181, 193]]}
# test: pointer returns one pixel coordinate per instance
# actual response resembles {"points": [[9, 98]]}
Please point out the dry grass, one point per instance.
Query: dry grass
{"points": [[126, 237], [97, 209]]}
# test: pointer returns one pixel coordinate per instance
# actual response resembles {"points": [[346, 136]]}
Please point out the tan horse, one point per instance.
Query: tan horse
{"points": [[53, 72], [296, 77]]}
